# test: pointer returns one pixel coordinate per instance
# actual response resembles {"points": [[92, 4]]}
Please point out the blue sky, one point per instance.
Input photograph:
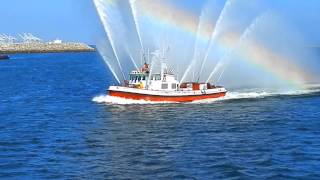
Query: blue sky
{"points": [[76, 20], [73, 20]]}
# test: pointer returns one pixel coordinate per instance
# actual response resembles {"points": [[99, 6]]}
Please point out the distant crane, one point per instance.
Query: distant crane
{"points": [[7, 39], [29, 38]]}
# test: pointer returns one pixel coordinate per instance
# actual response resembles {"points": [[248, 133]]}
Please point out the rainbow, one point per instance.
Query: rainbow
{"points": [[281, 67], [261, 57], [167, 14]]}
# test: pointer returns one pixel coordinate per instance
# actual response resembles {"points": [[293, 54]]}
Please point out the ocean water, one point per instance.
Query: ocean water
{"points": [[56, 123]]}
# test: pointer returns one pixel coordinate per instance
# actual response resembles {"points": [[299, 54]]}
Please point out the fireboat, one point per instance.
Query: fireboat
{"points": [[163, 86]]}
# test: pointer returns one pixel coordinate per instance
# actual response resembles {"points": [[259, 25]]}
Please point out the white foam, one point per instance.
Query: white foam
{"points": [[257, 93], [117, 100], [235, 95]]}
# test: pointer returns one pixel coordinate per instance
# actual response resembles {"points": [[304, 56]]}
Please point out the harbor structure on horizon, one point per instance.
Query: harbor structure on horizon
{"points": [[28, 43]]}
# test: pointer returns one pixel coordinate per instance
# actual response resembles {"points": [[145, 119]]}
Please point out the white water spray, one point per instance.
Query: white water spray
{"points": [[135, 19], [223, 62], [186, 72], [232, 22], [215, 33], [100, 6], [205, 26], [195, 53], [111, 69]]}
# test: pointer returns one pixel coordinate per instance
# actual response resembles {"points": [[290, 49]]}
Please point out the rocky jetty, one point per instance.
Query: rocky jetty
{"points": [[32, 44]]}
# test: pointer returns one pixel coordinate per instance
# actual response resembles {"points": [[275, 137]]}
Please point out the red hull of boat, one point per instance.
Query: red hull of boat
{"points": [[189, 98]]}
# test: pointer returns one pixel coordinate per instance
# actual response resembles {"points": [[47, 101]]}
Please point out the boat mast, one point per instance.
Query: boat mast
{"points": [[141, 56], [150, 69], [148, 56]]}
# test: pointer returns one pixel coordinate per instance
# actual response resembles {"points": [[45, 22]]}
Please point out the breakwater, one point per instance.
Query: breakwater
{"points": [[43, 47]]}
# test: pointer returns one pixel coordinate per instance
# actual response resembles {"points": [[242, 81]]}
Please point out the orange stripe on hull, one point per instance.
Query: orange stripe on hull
{"points": [[190, 98]]}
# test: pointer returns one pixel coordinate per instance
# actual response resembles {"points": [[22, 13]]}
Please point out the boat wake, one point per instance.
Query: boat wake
{"points": [[259, 93], [117, 100], [233, 95]]}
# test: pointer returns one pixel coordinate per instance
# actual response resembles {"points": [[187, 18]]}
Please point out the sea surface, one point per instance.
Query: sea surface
{"points": [[56, 123]]}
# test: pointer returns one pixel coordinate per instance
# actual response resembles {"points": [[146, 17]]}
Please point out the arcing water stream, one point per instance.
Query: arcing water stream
{"points": [[226, 44]]}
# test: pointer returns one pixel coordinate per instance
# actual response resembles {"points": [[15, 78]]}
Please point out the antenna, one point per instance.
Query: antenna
{"points": [[198, 79], [142, 56], [177, 72], [148, 60]]}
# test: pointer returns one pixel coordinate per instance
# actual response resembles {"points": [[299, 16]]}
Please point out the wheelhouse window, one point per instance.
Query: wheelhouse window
{"points": [[164, 86], [173, 86], [158, 77]]}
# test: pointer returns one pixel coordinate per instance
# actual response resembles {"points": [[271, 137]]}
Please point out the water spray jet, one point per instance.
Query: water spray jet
{"points": [[103, 16]]}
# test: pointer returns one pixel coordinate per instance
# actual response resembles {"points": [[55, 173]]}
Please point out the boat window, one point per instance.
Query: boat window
{"points": [[143, 77], [139, 78], [158, 77], [164, 86], [173, 86]]}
